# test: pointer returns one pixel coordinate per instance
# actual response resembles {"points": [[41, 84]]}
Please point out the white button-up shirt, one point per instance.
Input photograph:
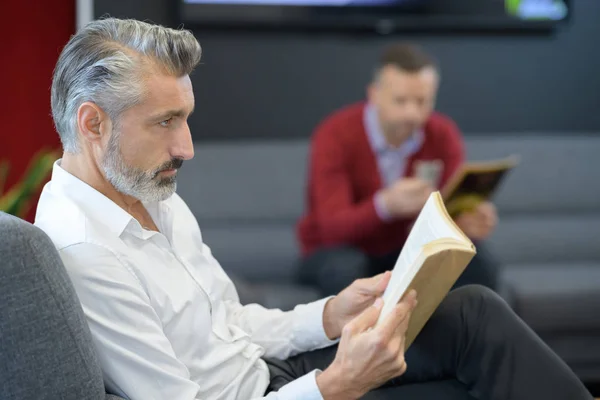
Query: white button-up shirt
{"points": [[165, 318]]}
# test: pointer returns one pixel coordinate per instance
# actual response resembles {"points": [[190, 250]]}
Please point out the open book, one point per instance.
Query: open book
{"points": [[474, 183], [433, 257]]}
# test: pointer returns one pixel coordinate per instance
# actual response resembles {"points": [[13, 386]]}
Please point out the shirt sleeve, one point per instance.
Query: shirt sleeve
{"points": [[282, 334], [136, 357]]}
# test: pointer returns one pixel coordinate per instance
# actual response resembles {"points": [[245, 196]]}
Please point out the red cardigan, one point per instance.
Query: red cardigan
{"points": [[343, 177]]}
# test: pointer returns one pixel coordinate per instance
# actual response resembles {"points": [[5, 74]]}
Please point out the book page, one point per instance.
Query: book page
{"points": [[429, 226]]}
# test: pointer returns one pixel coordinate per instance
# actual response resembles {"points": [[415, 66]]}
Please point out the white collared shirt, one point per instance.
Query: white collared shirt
{"points": [[165, 318]]}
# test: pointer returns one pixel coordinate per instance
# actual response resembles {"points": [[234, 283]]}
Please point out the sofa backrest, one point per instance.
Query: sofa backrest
{"points": [[46, 351], [247, 197], [245, 181], [550, 205]]}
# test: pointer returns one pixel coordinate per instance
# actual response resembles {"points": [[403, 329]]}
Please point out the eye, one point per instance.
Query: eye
{"points": [[166, 122]]}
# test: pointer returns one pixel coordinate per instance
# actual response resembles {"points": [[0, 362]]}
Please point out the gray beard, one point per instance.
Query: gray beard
{"points": [[145, 186]]}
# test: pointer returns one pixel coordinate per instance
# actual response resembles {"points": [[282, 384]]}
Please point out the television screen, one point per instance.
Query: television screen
{"points": [[537, 9], [382, 15], [318, 3]]}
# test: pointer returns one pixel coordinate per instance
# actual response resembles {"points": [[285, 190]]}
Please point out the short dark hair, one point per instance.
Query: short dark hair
{"points": [[407, 57]]}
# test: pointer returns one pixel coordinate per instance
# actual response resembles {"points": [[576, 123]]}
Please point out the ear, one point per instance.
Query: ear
{"points": [[93, 123]]}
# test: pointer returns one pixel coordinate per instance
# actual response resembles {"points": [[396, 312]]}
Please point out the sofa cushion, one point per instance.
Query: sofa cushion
{"points": [[556, 298], [46, 350], [556, 173], [545, 238]]}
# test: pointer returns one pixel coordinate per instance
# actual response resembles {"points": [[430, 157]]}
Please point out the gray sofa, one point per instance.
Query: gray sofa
{"points": [[248, 197], [46, 350]]}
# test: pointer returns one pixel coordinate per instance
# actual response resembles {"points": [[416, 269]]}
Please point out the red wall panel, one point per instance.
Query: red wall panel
{"points": [[32, 35]]}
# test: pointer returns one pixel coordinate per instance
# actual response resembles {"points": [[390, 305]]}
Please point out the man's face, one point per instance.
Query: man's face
{"points": [[404, 100], [151, 140]]}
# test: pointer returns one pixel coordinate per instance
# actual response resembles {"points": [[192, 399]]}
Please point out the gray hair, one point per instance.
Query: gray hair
{"points": [[101, 63]]}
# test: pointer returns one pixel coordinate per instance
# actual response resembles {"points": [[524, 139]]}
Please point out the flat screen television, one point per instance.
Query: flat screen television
{"points": [[384, 16]]}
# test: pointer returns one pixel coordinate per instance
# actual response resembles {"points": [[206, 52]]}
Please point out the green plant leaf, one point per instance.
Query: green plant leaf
{"points": [[4, 168], [17, 201]]}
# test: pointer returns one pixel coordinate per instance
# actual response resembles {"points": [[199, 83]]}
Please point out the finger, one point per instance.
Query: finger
{"points": [[427, 193], [397, 316], [402, 366], [488, 207], [398, 343], [475, 231], [426, 189], [414, 181], [380, 284], [417, 185], [494, 220], [429, 188], [493, 217], [375, 285], [411, 298], [423, 197], [466, 218], [485, 231], [485, 225], [466, 224], [395, 353], [402, 328], [412, 301], [487, 210], [364, 320], [489, 223]]}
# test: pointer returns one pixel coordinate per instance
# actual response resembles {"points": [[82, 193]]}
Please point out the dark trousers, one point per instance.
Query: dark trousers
{"points": [[473, 347], [333, 269]]}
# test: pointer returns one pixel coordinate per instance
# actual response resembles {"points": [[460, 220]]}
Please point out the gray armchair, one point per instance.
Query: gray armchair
{"points": [[46, 350]]}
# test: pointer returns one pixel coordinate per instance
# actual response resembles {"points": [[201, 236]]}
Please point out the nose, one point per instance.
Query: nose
{"points": [[412, 110], [183, 147]]}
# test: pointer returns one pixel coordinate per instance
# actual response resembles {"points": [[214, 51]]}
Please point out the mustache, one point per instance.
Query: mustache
{"points": [[174, 163]]}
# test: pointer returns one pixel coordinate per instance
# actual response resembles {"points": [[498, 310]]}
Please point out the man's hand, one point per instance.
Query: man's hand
{"points": [[351, 301], [406, 197], [368, 356], [479, 223]]}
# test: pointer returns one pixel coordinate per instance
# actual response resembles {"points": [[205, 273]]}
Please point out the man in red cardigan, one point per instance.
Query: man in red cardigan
{"points": [[372, 167]]}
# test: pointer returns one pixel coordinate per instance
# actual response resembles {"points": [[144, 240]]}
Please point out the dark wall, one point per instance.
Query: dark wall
{"points": [[280, 85]]}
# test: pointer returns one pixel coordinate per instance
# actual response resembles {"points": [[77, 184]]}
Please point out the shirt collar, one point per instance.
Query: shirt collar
{"points": [[95, 205], [377, 138]]}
